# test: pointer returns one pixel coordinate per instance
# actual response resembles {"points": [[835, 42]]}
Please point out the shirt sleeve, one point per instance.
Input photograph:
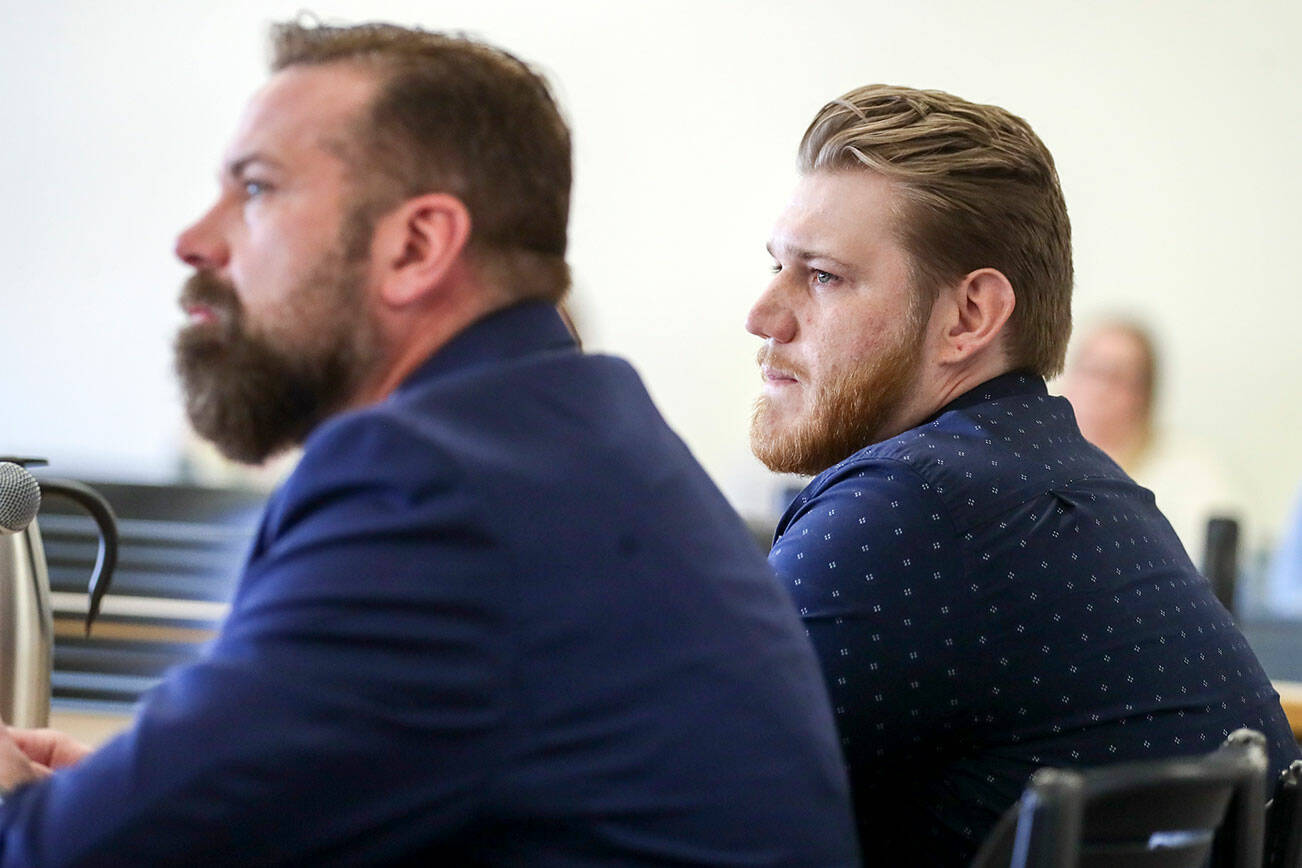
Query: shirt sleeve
{"points": [[352, 698], [873, 564]]}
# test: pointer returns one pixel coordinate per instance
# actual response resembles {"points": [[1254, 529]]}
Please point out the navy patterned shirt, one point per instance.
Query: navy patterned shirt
{"points": [[988, 594]]}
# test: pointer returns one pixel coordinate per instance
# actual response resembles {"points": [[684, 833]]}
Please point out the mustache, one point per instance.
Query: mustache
{"points": [[766, 356], [203, 288]]}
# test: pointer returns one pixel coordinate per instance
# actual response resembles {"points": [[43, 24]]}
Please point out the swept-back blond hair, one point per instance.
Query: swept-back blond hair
{"points": [[980, 191]]}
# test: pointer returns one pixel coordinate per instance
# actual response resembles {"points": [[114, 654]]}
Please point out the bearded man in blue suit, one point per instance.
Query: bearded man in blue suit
{"points": [[498, 614]]}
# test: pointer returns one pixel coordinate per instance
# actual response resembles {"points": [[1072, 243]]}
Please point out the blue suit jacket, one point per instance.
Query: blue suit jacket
{"points": [[501, 618]]}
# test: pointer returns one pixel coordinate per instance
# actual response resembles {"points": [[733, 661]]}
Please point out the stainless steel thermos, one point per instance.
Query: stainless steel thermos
{"points": [[26, 619]]}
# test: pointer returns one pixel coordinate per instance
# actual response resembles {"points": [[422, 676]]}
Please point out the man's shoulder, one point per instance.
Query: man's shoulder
{"points": [[512, 398], [560, 367], [509, 434], [1028, 429], [869, 494], [920, 465], [987, 457], [381, 441], [358, 465], [506, 398]]}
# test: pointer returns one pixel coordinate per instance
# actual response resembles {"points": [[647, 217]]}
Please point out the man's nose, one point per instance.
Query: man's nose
{"points": [[771, 318], [202, 245]]}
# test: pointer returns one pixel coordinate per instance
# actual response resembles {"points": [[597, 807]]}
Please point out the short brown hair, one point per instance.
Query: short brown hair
{"points": [[980, 191], [456, 115]]}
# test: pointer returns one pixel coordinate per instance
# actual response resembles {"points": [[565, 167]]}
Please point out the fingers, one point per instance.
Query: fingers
{"points": [[15, 767], [49, 747], [37, 744]]}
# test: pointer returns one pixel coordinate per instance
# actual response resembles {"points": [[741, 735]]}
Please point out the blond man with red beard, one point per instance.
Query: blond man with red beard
{"points": [[988, 593]]}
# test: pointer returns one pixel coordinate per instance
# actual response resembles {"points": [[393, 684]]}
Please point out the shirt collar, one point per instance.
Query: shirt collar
{"points": [[1003, 386], [505, 334]]}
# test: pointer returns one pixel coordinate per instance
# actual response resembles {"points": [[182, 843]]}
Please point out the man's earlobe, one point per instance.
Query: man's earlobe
{"points": [[983, 303], [419, 244]]}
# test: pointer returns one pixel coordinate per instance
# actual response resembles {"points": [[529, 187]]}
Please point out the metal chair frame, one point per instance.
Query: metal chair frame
{"points": [[1284, 820], [1170, 813]]}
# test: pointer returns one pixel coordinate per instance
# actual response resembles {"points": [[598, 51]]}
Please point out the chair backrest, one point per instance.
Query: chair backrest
{"points": [[1172, 813], [1284, 820], [1221, 559]]}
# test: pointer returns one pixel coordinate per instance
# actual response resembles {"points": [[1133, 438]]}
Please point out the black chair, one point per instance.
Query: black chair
{"points": [[1221, 559], [1284, 820], [1188, 812]]}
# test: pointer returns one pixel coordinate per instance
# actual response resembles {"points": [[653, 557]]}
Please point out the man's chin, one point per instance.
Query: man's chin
{"points": [[237, 436], [773, 441], [807, 444], [249, 416]]}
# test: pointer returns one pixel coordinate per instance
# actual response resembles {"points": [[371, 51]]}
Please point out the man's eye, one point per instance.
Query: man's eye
{"points": [[823, 278], [775, 268], [253, 189]]}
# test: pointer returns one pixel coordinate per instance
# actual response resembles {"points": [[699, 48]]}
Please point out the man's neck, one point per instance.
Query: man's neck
{"points": [[937, 386], [412, 336]]}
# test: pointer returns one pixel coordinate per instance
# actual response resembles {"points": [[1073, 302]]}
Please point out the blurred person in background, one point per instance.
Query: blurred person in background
{"points": [[1112, 380]]}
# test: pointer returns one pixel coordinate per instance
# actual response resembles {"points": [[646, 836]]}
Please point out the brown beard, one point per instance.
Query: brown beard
{"points": [[253, 394], [846, 413]]}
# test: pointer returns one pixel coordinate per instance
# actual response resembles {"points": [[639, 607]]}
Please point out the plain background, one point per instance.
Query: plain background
{"points": [[1175, 126]]}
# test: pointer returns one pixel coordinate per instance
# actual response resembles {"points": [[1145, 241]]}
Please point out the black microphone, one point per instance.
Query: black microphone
{"points": [[20, 497]]}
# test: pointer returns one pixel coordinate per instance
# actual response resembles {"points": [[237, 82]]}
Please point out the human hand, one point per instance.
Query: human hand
{"points": [[16, 768], [49, 747]]}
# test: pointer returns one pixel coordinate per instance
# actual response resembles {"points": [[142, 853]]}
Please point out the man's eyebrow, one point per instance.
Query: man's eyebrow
{"points": [[806, 255], [235, 168]]}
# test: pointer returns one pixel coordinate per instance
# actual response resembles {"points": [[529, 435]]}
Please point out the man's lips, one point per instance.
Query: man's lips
{"points": [[777, 376], [208, 300], [199, 314]]}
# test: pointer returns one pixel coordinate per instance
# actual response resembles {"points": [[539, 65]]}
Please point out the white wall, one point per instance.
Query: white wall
{"points": [[1175, 126]]}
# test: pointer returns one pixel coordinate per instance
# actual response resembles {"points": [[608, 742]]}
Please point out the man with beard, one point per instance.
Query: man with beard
{"points": [[987, 592], [498, 615]]}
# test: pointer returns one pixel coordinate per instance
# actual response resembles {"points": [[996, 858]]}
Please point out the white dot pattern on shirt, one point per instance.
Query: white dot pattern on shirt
{"points": [[995, 585]]}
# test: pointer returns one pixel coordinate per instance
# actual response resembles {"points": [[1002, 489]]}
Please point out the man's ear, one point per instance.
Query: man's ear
{"points": [[417, 245], [981, 302]]}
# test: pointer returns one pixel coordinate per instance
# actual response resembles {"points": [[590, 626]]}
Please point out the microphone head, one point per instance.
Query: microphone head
{"points": [[20, 497]]}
